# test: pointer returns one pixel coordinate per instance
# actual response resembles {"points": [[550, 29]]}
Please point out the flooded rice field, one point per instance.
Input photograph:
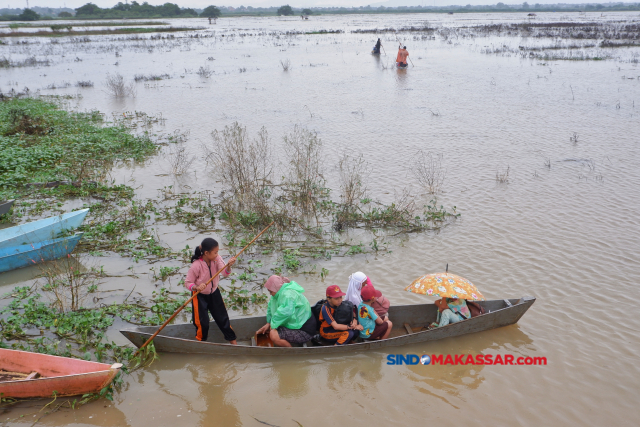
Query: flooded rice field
{"points": [[535, 129]]}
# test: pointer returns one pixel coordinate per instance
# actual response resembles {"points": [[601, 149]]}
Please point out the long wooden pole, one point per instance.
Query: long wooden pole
{"points": [[197, 292]]}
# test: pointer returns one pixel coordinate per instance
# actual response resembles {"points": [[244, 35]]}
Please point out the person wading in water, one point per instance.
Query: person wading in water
{"points": [[206, 262], [376, 49], [402, 56]]}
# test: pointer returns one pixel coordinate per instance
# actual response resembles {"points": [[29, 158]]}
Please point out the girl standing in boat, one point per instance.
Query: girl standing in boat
{"points": [[206, 262]]}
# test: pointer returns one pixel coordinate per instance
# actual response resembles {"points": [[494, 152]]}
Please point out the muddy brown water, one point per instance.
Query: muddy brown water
{"points": [[567, 234]]}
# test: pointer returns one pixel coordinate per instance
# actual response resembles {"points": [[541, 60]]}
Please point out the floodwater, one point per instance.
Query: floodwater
{"points": [[564, 229]]}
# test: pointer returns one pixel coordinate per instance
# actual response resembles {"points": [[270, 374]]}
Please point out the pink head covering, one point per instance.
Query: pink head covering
{"points": [[274, 283]]}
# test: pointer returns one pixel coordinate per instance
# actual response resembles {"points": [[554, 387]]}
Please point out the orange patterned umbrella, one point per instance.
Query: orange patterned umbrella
{"points": [[445, 285]]}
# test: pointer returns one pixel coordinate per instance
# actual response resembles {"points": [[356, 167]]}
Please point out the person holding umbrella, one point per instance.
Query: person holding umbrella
{"points": [[454, 291], [451, 310]]}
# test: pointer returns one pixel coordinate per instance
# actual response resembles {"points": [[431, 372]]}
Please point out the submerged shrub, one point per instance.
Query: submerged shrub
{"points": [[84, 83], [21, 121], [117, 87]]}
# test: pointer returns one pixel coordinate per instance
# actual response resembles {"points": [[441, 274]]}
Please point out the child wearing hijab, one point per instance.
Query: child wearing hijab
{"points": [[206, 262], [289, 318], [357, 282]]}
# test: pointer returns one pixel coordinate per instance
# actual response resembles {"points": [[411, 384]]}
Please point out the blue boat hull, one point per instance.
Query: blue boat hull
{"points": [[39, 231], [25, 255]]}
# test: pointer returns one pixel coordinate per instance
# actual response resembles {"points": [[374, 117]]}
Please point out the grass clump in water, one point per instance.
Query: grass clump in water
{"points": [[39, 142]]}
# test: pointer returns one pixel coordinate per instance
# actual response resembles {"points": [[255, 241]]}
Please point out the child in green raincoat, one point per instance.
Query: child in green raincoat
{"points": [[289, 318]]}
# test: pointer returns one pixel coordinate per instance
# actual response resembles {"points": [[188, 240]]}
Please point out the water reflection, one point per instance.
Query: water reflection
{"points": [[292, 380], [197, 384], [377, 59], [446, 381], [59, 412], [370, 369], [21, 275], [214, 383], [32, 272], [401, 76]]}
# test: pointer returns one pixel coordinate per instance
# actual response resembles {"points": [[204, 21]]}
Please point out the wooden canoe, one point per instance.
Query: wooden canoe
{"points": [[64, 375], [5, 206], [180, 338], [41, 230], [22, 256]]}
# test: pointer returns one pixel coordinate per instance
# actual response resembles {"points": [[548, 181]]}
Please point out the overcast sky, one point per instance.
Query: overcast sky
{"points": [[267, 3]]}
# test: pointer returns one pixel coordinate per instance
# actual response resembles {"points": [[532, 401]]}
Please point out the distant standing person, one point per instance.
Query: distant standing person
{"points": [[402, 56], [205, 262], [209, 20], [377, 47]]}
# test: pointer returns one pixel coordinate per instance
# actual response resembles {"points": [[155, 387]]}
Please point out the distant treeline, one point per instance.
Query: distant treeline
{"points": [[121, 10], [171, 10], [136, 10]]}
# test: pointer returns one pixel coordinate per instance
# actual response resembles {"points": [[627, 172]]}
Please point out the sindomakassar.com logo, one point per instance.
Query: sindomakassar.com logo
{"points": [[464, 359]]}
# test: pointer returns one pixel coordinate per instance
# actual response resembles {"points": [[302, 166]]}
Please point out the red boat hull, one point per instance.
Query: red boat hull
{"points": [[64, 375]]}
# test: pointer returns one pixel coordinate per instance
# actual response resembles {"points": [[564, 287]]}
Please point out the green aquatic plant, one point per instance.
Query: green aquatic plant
{"points": [[81, 332], [355, 249], [42, 143]]}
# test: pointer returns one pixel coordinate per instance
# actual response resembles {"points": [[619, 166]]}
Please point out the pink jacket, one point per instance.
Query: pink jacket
{"points": [[200, 273], [381, 306]]}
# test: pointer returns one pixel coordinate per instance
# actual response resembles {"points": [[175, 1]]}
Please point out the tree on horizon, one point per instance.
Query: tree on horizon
{"points": [[211, 12], [285, 10], [28, 15], [88, 9]]}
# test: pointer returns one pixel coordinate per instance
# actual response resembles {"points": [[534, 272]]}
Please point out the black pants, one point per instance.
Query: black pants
{"points": [[212, 303]]}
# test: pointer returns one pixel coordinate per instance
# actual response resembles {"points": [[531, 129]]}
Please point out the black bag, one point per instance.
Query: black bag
{"points": [[342, 315], [316, 309]]}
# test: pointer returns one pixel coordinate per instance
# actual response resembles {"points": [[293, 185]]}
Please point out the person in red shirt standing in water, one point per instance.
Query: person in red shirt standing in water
{"points": [[401, 60]]}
